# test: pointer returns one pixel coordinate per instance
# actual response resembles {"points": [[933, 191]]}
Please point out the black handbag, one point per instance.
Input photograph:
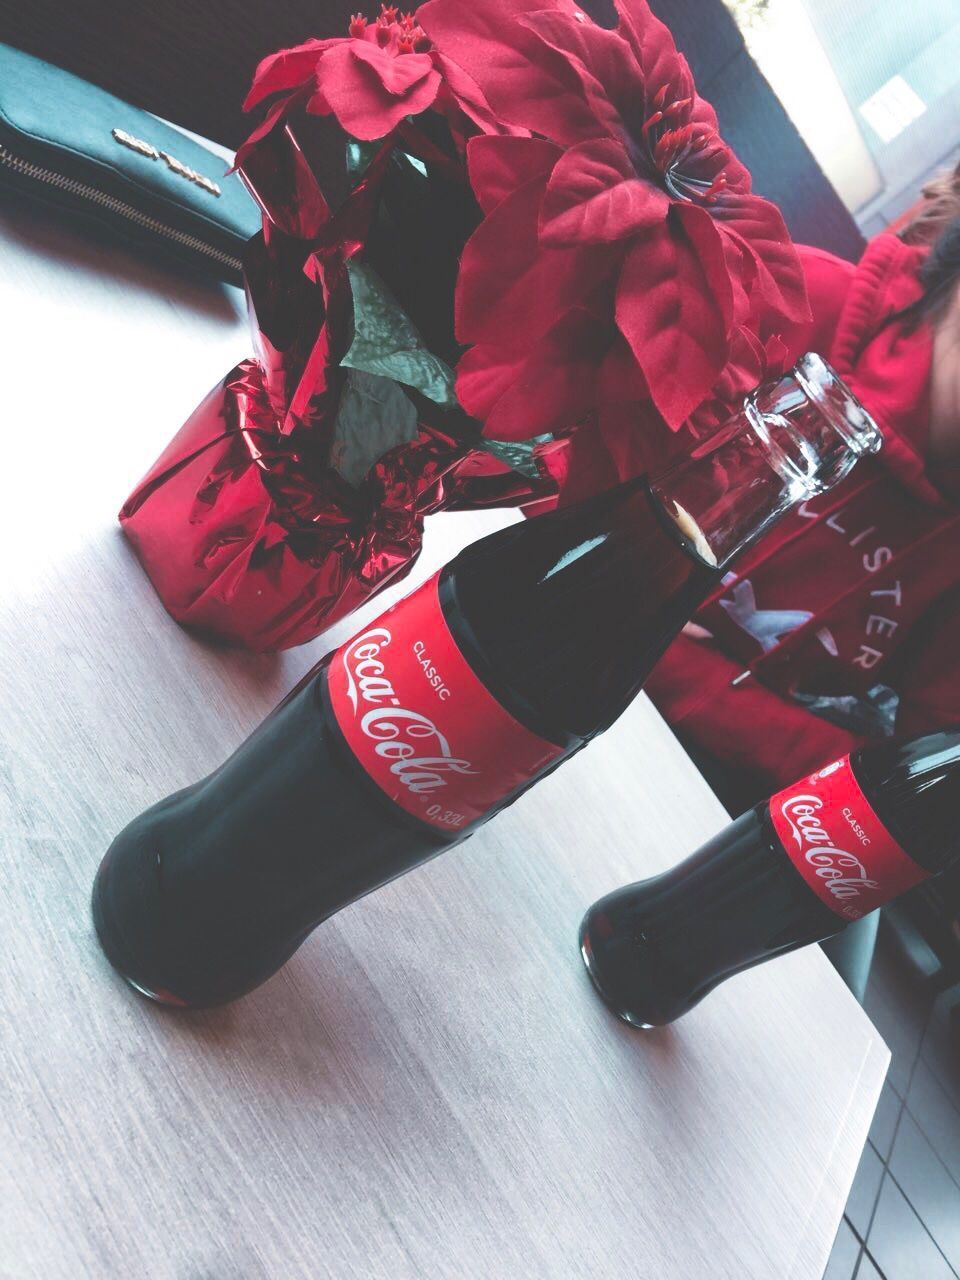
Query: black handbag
{"points": [[71, 143]]}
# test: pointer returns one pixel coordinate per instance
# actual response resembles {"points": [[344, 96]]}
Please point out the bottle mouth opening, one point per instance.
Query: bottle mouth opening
{"points": [[846, 434], [838, 404]]}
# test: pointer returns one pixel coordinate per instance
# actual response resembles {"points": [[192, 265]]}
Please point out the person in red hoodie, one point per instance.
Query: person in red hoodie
{"points": [[843, 625]]}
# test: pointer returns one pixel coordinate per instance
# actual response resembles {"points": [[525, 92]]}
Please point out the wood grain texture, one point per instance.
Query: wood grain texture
{"points": [[430, 1089]]}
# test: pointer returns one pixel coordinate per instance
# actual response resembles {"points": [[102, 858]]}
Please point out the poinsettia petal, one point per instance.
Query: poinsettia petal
{"points": [[708, 243], [637, 440], [397, 73], [742, 266], [710, 157], [510, 288], [702, 113], [275, 113], [603, 61], [526, 83], [468, 95], [594, 195], [661, 65], [367, 105], [717, 155], [685, 85], [620, 379], [780, 288], [548, 389], [498, 166], [744, 370], [484, 373], [776, 354], [287, 69], [588, 467], [666, 311]]}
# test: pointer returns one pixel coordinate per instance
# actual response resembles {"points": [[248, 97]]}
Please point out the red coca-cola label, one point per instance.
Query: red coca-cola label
{"points": [[421, 722], [838, 844]]}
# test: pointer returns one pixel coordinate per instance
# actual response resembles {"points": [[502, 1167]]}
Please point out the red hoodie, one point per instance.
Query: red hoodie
{"points": [[844, 624]]}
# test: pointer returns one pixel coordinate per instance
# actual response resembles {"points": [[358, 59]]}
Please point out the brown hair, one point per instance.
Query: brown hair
{"points": [[935, 221], [938, 206]]}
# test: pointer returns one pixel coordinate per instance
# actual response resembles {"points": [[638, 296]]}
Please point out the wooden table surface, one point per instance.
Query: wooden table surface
{"points": [[430, 1089]]}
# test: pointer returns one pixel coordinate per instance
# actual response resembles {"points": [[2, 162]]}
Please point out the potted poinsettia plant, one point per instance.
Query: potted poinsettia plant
{"points": [[506, 257]]}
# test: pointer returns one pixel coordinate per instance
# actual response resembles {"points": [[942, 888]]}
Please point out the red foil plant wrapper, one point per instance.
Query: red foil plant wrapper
{"points": [[505, 253], [300, 485]]}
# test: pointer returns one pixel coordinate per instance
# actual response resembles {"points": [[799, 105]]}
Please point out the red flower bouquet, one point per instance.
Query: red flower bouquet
{"points": [[505, 251]]}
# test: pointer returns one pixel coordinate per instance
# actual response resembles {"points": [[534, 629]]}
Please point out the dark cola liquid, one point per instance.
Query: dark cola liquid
{"points": [[656, 948], [205, 895]]}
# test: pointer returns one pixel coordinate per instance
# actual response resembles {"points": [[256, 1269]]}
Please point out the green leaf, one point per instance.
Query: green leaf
{"points": [[517, 454], [386, 343], [373, 417]]}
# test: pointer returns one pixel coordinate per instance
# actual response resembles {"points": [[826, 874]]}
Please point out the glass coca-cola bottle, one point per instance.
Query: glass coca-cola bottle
{"points": [[455, 701], [794, 870]]}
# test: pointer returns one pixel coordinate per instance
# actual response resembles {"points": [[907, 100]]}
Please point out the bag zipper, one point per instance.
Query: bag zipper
{"points": [[74, 187]]}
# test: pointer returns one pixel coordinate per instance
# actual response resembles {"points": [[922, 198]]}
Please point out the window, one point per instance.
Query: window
{"points": [[873, 86]]}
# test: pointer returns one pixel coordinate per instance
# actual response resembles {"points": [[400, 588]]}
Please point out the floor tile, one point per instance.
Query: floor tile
{"points": [[844, 1255], [941, 1044], [936, 1115], [885, 1119], [932, 1192], [866, 1269], [864, 1192], [899, 1008], [899, 1243]]}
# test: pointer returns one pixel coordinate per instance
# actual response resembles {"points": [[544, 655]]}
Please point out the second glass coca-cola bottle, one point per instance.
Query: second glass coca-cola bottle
{"points": [[448, 707], [798, 868]]}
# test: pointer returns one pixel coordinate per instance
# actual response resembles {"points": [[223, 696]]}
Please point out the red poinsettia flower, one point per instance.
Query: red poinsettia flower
{"points": [[622, 255], [381, 72]]}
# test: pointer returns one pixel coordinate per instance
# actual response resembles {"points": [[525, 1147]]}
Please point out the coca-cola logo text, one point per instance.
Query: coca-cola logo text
{"points": [[418, 754], [843, 873]]}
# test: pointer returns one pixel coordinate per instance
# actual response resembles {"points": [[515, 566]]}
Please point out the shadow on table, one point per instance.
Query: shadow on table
{"points": [[249, 671], [82, 244], [131, 707], [323, 1027], [315, 1033]]}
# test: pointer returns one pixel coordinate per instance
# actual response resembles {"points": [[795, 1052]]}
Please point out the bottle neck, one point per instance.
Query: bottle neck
{"points": [[727, 493], [914, 789], [564, 616], [792, 439]]}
